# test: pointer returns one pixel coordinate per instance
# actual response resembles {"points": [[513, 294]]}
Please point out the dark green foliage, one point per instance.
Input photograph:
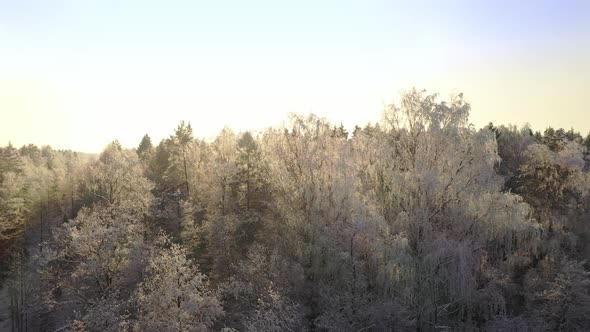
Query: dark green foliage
{"points": [[145, 147]]}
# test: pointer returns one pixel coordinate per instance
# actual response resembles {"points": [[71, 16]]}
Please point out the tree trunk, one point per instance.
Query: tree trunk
{"points": [[72, 198], [248, 186], [353, 288], [185, 173]]}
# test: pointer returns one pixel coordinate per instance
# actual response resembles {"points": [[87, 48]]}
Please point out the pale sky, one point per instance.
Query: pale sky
{"points": [[79, 73]]}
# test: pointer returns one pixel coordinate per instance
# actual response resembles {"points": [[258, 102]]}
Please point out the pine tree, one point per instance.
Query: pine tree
{"points": [[181, 144], [248, 166], [145, 147]]}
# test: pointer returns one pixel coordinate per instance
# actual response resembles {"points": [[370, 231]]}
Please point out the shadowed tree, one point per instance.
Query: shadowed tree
{"points": [[145, 147], [180, 147], [248, 166]]}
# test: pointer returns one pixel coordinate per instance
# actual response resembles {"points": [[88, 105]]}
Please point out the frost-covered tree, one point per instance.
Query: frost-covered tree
{"points": [[224, 172], [512, 141], [181, 144], [117, 178], [175, 296], [12, 206], [249, 168], [258, 293], [565, 303], [418, 222], [13, 192], [145, 148], [549, 176], [274, 313], [160, 160], [73, 171], [432, 179], [93, 260], [313, 177]]}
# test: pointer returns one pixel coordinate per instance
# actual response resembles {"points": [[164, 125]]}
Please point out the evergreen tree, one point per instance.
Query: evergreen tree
{"points": [[181, 144], [145, 147]]}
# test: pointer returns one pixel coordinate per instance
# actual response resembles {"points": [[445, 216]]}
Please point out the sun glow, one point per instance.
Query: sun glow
{"points": [[78, 84]]}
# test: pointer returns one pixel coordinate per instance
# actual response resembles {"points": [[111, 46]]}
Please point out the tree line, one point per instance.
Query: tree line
{"points": [[420, 222]]}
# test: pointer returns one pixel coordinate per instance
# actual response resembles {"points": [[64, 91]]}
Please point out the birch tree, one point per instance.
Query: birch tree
{"points": [[436, 188]]}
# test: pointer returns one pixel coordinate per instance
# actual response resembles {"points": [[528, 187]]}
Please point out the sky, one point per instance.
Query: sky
{"points": [[77, 74]]}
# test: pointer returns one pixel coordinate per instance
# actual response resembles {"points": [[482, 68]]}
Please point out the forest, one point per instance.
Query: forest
{"points": [[420, 222]]}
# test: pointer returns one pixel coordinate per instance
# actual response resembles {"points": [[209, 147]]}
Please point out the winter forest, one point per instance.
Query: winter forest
{"points": [[420, 222]]}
